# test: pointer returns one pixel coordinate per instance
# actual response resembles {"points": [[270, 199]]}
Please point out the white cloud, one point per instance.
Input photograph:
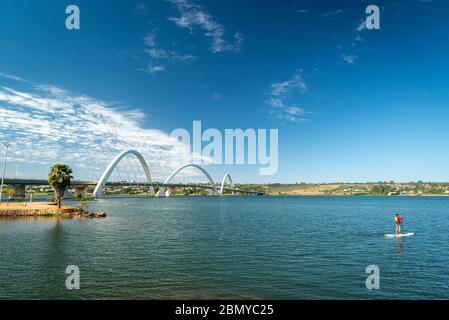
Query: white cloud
{"points": [[279, 94], [47, 124], [194, 16]]}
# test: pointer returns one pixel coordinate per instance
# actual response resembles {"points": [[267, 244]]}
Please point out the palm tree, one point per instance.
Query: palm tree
{"points": [[59, 178]]}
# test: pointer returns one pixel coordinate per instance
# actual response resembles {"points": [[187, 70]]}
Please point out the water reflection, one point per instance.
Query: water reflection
{"points": [[51, 265], [399, 246]]}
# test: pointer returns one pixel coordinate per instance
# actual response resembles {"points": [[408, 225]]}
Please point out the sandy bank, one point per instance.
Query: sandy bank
{"points": [[42, 209]]}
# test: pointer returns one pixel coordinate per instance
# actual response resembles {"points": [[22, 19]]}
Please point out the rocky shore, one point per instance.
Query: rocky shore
{"points": [[45, 210]]}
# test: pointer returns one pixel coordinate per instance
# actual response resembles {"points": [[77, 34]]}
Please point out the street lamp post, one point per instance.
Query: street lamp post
{"points": [[4, 170]]}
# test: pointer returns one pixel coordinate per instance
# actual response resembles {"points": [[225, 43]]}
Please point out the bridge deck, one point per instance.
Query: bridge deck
{"points": [[74, 183], [43, 182]]}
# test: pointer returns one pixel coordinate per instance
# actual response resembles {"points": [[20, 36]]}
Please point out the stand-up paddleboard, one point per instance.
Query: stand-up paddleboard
{"points": [[399, 235]]}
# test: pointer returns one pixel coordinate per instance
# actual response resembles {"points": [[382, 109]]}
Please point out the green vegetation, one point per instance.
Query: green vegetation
{"points": [[81, 198], [190, 191], [59, 179], [383, 190], [380, 188], [8, 192], [252, 187]]}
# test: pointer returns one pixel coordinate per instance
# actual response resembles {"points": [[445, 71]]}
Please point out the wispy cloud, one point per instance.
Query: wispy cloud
{"points": [[280, 92], [159, 54], [142, 8], [333, 14], [357, 39], [349, 59], [281, 88], [194, 16], [175, 56], [149, 40], [11, 77], [361, 25], [217, 96], [47, 124], [152, 69]]}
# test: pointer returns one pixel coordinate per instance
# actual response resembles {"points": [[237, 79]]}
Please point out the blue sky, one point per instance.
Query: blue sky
{"points": [[350, 104]]}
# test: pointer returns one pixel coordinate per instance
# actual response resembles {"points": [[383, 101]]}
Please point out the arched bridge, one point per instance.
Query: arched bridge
{"points": [[107, 173], [165, 188]]}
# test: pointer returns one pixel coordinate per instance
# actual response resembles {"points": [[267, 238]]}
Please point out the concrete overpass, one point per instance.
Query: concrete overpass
{"points": [[19, 185], [44, 182]]}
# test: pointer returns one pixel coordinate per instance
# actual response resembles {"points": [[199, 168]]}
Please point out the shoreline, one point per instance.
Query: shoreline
{"points": [[44, 209], [355, 195]]}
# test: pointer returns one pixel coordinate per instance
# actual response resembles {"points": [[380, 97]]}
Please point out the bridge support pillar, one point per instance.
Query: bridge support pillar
{"points": [[169, 191], [19, 191], [211, 192], [151, 191], [161, 192], [80, 191], [67, 194]]}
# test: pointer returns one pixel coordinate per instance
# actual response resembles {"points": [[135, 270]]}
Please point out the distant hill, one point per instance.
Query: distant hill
{"points": [[368, 189]]}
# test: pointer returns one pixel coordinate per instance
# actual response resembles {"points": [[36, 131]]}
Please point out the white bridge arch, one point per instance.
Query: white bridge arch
{"points": [[174, 173], [167, 186], [228, 176], [107, 173]]}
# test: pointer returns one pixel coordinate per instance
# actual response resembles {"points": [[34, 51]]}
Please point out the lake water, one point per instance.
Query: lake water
{"points": [[232, 247]]}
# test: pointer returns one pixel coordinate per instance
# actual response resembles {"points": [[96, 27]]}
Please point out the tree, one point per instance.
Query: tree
{"points": [[9, 192], [59, 179]]}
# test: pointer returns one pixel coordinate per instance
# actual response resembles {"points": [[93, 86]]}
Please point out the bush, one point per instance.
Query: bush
{"points": [[381, 189]]}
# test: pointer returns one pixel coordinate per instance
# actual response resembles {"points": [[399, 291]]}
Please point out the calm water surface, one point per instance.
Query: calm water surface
{"points": [[232, 247]]}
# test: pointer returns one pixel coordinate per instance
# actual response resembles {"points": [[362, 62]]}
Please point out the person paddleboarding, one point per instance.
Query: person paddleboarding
{"points": [[398, 221]]}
